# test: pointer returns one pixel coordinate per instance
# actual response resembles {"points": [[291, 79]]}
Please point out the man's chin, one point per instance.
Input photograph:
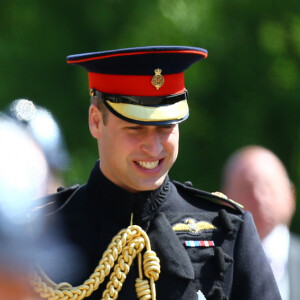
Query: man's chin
{"points": [[151, 186]]}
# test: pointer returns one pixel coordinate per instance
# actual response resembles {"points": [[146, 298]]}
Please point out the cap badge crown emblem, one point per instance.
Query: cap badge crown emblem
{"points": [[158, 80]]}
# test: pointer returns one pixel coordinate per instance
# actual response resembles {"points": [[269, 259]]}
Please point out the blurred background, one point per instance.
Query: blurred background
{"points": [[246, 92]]}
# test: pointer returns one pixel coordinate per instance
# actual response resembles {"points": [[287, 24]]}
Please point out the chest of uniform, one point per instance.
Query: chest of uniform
{"points": [[196, 249]]}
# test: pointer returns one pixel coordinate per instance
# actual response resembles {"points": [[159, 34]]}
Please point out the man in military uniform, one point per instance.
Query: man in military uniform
{"points": [[207, 246]]}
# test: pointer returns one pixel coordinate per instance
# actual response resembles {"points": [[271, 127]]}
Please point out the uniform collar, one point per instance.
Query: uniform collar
{"points": [[119, 204]]}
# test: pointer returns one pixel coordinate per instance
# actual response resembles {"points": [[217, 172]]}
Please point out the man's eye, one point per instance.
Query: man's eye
{"points": [[133, 128], [170, 127]]}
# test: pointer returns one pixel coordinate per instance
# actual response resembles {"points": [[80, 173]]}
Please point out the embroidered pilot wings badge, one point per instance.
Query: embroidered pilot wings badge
{"points": [[191, 225]]}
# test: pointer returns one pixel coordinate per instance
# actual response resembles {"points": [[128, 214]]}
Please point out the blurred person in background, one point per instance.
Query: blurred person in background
{"points": [[257, 179], [23, 179], [44, 128]]}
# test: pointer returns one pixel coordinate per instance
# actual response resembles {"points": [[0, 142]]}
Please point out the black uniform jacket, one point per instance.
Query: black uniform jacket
{"points": [[232, 265]]}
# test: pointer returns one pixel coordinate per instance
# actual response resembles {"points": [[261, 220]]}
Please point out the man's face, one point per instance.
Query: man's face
{"points": [[259, 182], [136, 157]]}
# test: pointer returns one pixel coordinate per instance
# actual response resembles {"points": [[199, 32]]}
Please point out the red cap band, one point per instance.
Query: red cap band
{"points": [[136, 85]]}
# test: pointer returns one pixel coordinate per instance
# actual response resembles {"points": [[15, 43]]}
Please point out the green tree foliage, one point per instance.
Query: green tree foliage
{"points": [[246, 92]]}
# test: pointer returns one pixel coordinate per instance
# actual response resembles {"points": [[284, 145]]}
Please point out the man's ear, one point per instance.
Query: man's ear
{"points": [[95, 121], [293, 198]]}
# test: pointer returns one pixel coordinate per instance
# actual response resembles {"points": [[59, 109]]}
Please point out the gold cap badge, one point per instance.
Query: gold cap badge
{"points": [[158, 80]]}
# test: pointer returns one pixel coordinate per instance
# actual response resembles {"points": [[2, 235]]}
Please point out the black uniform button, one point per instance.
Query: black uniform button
{"points": [[60, 189]]}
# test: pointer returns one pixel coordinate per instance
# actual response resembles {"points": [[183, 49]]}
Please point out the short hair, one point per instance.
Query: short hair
{"points": [[102, 108]]}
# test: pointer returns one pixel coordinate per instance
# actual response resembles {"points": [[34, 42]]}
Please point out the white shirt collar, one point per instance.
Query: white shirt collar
{"points": [[276, 246]]}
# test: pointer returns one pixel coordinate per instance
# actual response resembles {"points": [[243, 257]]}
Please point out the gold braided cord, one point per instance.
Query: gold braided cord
{"points": [[120, 253]]}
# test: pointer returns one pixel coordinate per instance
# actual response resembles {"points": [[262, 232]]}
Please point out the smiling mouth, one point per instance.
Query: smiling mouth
{"points": [[149, 165]]}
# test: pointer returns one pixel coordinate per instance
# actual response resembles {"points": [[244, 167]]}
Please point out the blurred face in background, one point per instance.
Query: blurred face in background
{"points": [[257, 179]]}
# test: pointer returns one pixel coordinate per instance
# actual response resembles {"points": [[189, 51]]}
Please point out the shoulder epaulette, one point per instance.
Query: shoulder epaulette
{"points": [[56, 201], [216, 197]]}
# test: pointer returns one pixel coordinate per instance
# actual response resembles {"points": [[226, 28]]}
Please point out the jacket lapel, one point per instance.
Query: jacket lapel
{"points": [[173, 257]]}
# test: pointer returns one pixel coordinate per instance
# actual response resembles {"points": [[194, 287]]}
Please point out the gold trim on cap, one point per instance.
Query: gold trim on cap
{"points": [[175, 111]]}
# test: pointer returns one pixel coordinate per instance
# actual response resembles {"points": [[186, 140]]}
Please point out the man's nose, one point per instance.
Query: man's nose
{"points": [[152, 144]]}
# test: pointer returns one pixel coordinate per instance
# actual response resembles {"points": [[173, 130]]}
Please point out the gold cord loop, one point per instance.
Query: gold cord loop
{"points": [[143, 290], [124, 247]]}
